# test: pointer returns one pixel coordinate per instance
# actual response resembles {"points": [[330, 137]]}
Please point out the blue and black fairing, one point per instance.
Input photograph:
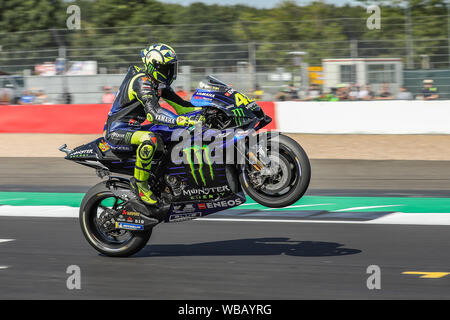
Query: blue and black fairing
{"points": [[214, 93], [205, 97]]}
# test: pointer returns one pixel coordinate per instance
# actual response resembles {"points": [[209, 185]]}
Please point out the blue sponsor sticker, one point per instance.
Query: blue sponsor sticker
{"points": [[129, 226]]}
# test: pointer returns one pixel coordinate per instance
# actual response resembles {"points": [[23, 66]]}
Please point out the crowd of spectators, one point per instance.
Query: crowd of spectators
{"points": [[342, 92], [356, 92], [34, 96], [8, 96]]}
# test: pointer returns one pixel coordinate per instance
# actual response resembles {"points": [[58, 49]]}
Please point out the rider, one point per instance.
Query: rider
{"points": [[137, 100]]}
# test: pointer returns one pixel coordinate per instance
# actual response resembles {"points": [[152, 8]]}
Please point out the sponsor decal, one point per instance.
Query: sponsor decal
{"points": [[117, 135], [123, 148], [129, 226], [204, 197], [229, 92], [183, 208], [239, 114], [207, 94], [130, 213], [206, 191], [103, 146], [82, 153], [163, 118], [202, 98], [128, 136], [198, 154], [184, 216], [220, 204], [253, 106], [133, 122]]}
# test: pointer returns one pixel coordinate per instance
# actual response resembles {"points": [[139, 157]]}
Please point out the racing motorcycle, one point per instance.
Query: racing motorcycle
{"points": [[116, 223]]}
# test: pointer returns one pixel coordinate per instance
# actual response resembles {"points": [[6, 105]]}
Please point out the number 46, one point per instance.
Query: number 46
{"points": [[242, 99]]}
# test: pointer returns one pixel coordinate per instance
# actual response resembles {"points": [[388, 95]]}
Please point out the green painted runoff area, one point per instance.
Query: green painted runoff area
{"points": [[344, 204]]}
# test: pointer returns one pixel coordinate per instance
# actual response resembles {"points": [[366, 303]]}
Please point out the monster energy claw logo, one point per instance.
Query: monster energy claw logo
{"points": [[239, 114], [198, 154]]}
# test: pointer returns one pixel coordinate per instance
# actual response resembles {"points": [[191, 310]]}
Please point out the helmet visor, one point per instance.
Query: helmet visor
{"points": [[168, 71]]}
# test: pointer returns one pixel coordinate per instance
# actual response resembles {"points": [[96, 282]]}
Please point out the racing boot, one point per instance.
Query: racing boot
{"points": [[142, 189], [142, 168]]}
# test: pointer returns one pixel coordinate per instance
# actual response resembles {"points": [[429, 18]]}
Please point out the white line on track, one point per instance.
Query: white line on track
{"points": [[39, 211], [441, 219], [428, 218], [3, 241], [363, 208]]}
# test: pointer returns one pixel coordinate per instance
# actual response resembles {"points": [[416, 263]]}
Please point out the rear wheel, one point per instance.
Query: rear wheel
{"points": [[287, 184], [97, 207]]}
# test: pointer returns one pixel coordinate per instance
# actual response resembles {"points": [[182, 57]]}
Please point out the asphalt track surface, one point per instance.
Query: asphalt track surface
{"points": [[229, 259]]}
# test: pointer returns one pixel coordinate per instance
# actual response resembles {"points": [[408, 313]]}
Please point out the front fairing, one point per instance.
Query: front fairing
{"points": [[234, 104]]}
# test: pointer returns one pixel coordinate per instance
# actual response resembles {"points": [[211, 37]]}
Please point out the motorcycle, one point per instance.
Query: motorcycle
{"points": [[116, 223]]}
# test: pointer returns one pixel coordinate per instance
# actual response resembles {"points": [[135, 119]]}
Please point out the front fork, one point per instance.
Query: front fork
{"points": [[260, 164]]}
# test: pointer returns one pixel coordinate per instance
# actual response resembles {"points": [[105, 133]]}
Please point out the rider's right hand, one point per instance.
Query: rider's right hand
{"points": [[187, 121]]}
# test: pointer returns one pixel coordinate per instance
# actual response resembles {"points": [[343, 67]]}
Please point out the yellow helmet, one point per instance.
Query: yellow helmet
{"points": [[160, 62]]}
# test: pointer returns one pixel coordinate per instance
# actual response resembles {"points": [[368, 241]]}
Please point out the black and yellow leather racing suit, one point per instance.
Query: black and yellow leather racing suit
{"points": [[136, 101]]}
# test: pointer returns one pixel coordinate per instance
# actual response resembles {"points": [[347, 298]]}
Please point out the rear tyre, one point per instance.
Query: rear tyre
{"points": [[291, 182], [94, 206]]}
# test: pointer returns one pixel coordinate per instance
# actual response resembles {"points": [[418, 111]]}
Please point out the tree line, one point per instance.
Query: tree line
{"points": [[113, 30]]}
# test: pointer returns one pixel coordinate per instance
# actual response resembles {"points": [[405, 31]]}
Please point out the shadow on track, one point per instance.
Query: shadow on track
{"points": [[249, 247]]}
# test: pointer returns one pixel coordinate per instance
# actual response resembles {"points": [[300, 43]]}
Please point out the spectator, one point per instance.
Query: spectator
{"points": [[429, 92], [258, 93], [108, 96], [404, 94], [331, 96], [282, 95], [314, 92], [366, 93], [27, 98], [342, 92], [354, 91], [293, 92], [7, 94], [41, 97], [385, 94]]}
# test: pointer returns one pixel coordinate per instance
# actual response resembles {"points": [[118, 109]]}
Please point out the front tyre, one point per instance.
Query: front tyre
{"points": [[98, 202], [290, 181]]}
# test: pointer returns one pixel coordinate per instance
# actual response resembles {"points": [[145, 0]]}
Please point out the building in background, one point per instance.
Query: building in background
{"points": [[363, 71]]}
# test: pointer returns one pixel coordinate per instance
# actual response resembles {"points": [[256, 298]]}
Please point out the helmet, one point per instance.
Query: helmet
{"points": [[160, 62]]}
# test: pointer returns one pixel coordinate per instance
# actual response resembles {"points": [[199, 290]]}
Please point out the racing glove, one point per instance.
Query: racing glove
{"points": [[189, 121]]}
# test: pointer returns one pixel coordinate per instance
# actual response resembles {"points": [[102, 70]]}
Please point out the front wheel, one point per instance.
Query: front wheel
{"points": [[287, 183], [97, 204]]}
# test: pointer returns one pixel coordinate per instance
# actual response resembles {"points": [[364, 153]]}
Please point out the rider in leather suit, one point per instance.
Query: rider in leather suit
{"points": [[137, 100]]}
